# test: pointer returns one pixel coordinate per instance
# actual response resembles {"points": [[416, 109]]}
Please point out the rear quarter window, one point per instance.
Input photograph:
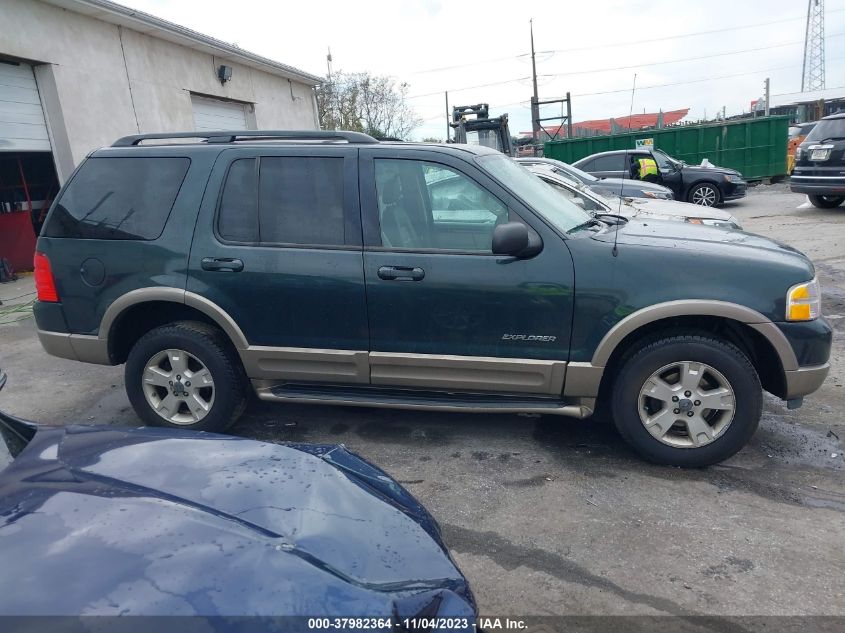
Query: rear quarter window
{"points": [[118, 198]]}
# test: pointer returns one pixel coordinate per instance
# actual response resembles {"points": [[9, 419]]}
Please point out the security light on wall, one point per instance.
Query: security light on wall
{"points": [[224, 74]]}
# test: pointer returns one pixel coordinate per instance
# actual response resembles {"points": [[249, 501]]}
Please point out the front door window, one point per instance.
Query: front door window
{"points": [[428, 206]]}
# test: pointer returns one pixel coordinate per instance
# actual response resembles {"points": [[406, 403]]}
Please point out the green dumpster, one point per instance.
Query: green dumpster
{"points": [[754, 147]]}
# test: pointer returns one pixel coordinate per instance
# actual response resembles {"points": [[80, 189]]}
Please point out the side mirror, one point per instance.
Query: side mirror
{"points": [[512, 238]]}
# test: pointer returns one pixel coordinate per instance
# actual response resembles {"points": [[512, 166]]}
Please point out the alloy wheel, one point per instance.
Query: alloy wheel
{"points": [[686, 404], [178, 386], [705, 196]]}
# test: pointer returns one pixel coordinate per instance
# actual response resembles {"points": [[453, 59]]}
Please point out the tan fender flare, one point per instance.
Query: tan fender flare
{"points": [[173, 295], [696, 307]]}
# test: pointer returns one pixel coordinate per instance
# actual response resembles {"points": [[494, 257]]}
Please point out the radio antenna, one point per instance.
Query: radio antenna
{"points": [[615, 250]]}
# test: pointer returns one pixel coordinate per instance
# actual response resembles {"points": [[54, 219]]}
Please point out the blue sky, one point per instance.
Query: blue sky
{"points": [[591, 49]]}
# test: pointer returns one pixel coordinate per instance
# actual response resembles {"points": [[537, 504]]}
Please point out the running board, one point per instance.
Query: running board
{"points": [[430, 401]]}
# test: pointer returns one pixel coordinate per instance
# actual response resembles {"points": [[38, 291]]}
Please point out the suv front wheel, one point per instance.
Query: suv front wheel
{"points": [[687, 400], [184, 375]]}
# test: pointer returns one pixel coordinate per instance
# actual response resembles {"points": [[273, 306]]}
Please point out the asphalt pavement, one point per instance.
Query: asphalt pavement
{"points": [[548, 515]]}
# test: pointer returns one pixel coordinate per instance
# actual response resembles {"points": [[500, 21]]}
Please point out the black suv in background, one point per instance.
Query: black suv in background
{"points": [[707, 186], [820, 163], [330, 268]]}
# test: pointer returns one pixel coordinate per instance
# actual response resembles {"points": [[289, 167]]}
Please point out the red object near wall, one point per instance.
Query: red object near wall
{"points": [[17, 239]]}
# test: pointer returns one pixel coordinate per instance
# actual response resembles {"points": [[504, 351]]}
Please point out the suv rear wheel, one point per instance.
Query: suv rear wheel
{"points": [[826, 202], [184, 375], [687, 400]]}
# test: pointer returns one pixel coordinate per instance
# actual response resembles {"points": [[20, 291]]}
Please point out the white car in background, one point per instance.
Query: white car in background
{"points": [[634, 207]]}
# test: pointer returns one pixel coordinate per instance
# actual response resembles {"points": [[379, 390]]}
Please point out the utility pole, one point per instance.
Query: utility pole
{"points": [[535, 106], [766, 112], [812, 75], [330, 102], [448, 118]]}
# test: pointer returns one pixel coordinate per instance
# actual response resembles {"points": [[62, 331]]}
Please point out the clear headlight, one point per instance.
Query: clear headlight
{"points": [[804, 301], [658, 195], [722, 224]]}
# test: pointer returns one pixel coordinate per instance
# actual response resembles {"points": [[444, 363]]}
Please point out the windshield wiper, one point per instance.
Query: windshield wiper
{"points": [[613, 218], [593, 221]]}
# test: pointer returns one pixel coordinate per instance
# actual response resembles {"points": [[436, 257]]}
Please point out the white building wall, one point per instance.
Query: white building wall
{"points": [[99, 81]]}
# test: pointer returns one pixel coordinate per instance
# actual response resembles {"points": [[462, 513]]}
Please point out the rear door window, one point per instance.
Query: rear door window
{"points": [[300, 200], [125, 198], [611, 162], [283, 200]]}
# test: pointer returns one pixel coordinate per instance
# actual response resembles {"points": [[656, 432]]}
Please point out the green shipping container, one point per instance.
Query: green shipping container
{"points": [[754, 147]]}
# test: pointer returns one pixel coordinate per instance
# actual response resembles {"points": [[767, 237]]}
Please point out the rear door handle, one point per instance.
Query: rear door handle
{"points": [[229, 264], [401, 273]]}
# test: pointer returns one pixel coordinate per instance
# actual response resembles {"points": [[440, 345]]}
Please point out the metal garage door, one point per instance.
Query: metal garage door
{"points": [[22, 126], [211, 115]]}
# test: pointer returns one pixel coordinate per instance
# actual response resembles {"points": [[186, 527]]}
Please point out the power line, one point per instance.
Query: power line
{"points": [[694, 81], [682, 35], [613, 68], [685, 59], [525, 102], [798, 92], [606, 44]]}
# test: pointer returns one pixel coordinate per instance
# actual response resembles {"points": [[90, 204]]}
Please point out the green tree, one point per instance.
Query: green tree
{"points": [[362, 102]]}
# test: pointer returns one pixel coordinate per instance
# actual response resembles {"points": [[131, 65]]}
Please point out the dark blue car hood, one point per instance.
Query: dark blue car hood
{"points": [[97, 520]]}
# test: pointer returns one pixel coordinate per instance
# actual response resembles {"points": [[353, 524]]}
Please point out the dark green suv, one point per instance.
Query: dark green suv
{"points": [[327, 267]]}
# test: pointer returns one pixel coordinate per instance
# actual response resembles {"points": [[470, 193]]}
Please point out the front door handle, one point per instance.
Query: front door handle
{"points": [[229, 264], [401, 273]]}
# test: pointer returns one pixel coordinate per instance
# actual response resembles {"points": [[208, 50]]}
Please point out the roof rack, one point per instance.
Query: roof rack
{"points": [[232, 136]]}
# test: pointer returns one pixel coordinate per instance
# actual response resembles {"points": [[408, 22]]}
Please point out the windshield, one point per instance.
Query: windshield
{"points": [[538, 195], [829, 129], [577, 197], [664, 161], [487, 138], [574, 171]]}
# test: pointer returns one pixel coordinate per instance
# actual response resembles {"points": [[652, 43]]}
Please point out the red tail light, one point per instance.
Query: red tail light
{"points": [[45, 285]]}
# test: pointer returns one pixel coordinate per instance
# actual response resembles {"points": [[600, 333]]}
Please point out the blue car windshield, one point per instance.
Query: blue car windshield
{"points": [[538, 195]]}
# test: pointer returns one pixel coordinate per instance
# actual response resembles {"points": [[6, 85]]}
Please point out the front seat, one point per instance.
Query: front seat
{"points": [[398, 228]]}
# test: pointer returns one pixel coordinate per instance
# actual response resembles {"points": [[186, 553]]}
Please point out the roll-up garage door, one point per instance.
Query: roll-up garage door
{"points": [[22, 126], [211, 115]]}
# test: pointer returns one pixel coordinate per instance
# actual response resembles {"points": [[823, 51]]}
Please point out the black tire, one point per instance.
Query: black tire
{"points": [[641, 363], [706, 190], [826, 202], [212, 348]]}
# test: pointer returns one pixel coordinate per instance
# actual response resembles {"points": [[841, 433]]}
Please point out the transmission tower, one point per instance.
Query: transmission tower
{"points": [[812, 77]]}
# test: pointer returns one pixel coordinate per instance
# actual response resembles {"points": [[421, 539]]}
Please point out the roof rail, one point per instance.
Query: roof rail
{"points": [[232, 136]]}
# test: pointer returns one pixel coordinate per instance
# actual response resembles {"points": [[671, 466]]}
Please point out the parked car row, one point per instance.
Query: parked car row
{"points": [[704, 185], [624, 187], [639, 208]]}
